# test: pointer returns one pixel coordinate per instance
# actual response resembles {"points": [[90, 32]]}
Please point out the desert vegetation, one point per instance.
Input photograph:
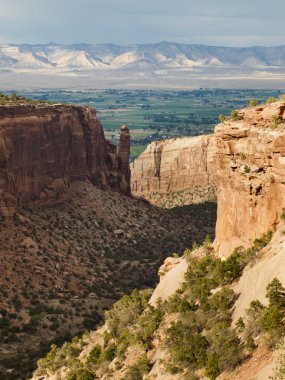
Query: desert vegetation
{"points": [[65, 265], [15, 99], [253, 102], [200, 335]]}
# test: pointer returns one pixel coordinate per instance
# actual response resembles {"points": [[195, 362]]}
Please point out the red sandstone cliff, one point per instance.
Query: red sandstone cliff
{"points": [[43, 148], [244, 160], [174, 172], [124, 160], [250, 175]]}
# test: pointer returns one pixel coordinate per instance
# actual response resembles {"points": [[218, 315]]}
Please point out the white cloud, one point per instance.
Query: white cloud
{"points": [[128, 21]]}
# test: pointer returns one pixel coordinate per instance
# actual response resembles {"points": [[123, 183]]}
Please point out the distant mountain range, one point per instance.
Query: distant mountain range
{"points": [[148, 64]]}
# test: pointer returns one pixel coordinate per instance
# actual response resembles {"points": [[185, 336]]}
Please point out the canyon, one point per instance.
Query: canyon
{"points": [[246, 159], [72, 239], [76, 233], [241, 164]]}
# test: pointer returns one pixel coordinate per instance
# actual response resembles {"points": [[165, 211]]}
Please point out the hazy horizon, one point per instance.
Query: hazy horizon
{"points": [[136, 44]]}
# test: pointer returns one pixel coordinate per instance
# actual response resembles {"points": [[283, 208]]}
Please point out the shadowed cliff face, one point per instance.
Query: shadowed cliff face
{"points": [[123, 159], [43, 148]]}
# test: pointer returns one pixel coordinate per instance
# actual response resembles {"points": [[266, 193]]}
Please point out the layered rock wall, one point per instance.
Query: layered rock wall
{"points": [[243, 163], [43, 148], [250, 176], [175, 172]]}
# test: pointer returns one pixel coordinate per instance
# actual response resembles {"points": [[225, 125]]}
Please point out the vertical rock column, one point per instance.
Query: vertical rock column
{"points": [[123, 161]]}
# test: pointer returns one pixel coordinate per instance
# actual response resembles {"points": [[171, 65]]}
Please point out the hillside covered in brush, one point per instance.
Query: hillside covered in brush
{"points": [[218, 311]]}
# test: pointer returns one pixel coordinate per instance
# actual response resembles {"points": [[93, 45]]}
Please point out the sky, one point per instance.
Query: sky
{"points": [[210, 22]]}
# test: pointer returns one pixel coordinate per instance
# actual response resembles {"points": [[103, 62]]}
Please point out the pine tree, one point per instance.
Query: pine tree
{"points": [[275, 293]]}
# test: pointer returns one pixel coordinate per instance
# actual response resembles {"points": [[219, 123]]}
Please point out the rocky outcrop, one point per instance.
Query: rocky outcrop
{"points": [[174, 172], [249, 173], [43, 148], [244, 160], [123, 158]]}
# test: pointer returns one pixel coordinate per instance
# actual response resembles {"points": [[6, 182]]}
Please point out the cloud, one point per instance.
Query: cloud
{"points": [[128, 21]]}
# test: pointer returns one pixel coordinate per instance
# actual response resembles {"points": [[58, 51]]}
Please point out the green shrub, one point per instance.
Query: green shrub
{"points": [[271, 320], [255, 309], [109, 353], [222, 118], [262, 242], [270, 100], [275, 293], [126, 311], [250, 344], [212, 367], [125, 340], [223, 299], [268, 319], [173, 369], [178, 304], [254, 313], [246, 169], [235, 116], [240, 325], [187, 346], [80, 374], [253, 102], [190, 375], [146, 326], [139, 369], [226, 345], [200, 278], [99, 356], [207, 243], [276, 120], [15, 99], [94, 355], [230, 269]]}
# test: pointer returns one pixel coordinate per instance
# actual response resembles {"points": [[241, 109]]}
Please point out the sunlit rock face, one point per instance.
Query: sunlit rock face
{"points": [[250, 176], [175, 172], [242, 163]]}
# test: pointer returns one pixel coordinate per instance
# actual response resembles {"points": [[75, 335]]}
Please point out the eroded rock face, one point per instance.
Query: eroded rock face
{"points": [[244, 160], [43, 148], [123, 158], [176, 171], [250, 176]]}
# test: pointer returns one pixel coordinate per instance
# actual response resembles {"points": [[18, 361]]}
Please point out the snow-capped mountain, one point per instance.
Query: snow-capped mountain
{"points": [[161, 55], [148, 60]]}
